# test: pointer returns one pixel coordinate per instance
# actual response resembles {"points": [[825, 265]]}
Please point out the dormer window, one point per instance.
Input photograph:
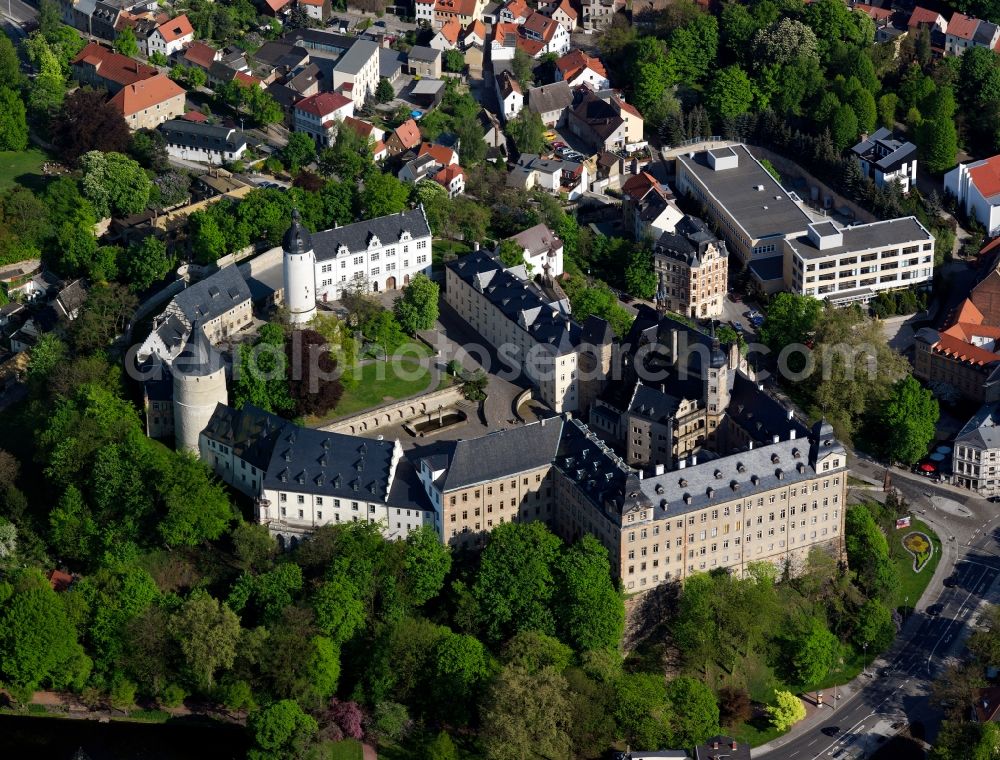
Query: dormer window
{"points": [[718, 474], [775, 459], [740, 467]]}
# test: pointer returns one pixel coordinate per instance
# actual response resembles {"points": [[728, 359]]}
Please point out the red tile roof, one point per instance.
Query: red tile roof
{"points": [[450, 30], [566, 8], [318, 3], [60, 581], [276, 5], [363, 128], [200, 54], [114, 67], [985, 176], [460, 7], [517, 8], [576, 61], [141, 95], [638, 185], [531, 47], [323, 103], [247, 80], [541, 25], [449, 173], [962, 26], [987, 703], [874, 13], [504, 32], [176, 28], [441, 154], [198, 118], [477, 28], [923, 17], [627, 107], [408, 134]]}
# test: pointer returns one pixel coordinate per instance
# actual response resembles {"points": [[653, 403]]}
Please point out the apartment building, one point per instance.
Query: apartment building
{"points": [[378, 254], [207, 143], [976, 453], [753, 211], [320, 116], [568, 363], [692, 266], [852, 264], [976, 187]]}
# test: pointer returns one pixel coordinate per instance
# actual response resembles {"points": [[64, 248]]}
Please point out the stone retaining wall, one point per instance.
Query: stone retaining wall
{"points": [[397, 412]]}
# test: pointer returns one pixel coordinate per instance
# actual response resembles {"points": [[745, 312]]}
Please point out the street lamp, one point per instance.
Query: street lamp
{"points": [[865, 647], [906, 607]]}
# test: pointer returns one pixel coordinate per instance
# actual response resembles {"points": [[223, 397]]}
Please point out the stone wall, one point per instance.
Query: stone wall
{"points": [[397, 412]]}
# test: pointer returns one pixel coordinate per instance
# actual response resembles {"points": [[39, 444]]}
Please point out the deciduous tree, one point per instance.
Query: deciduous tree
{"points": [[786, 711], [417, 308], [13, 121]]}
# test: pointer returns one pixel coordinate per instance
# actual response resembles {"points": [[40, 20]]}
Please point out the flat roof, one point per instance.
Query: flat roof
{"points": [[861, 237], [761, 213]]}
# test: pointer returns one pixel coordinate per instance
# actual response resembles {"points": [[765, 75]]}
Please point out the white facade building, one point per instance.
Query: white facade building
{"points": [[976, 186], [851, 264], [319, 116], [299, 270], [206, 143], [170, 36]]}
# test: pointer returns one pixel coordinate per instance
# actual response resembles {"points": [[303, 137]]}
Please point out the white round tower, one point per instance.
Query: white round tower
{"points": [[299, 272], [199, 375]]}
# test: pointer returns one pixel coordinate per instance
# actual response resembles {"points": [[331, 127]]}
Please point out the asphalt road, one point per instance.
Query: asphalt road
{"points": [[898, 686]]}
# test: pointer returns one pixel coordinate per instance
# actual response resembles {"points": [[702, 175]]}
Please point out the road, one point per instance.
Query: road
{"points": [[15, 14], [898, 686]]}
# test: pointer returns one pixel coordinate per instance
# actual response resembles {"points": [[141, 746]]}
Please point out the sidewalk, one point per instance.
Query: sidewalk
{"points": [[816, 716]]}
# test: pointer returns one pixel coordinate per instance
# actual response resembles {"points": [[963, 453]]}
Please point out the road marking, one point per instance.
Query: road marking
{"points": [[952, 622]]}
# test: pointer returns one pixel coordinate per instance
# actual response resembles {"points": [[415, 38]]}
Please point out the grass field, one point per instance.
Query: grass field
{"points": [[911, 584], [348, 749], [14, 164], [443, 251]]}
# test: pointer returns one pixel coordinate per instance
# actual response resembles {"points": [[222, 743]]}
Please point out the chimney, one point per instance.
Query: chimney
{"points": [[475, 246], [642, 474], [775, 439], [751, 446], [715, 744], [790, 415], [733, 746], [760, 386], [681, 464], [694, 459], [660, 469]]}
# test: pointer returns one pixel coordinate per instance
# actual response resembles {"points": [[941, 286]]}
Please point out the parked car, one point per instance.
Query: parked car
{"points": [[558, 144], [735, 297]]}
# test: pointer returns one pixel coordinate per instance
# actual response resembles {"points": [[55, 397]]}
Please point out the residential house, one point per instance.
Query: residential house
{"points": [[961, 34], [443, 155], [447, 36], [514, 12], [275, 8], [104, 19], [543, 250], [390, 64], [649, 208], [692, 266], [610, 172], [541, 35], [367, 131], [403, 138], [598, 123], [205, 143], [562, 12], [452, 179], [170, 37], [200, 55], [493, 135], [577, 68], [885, 158], [509, 95], [319, 116], [924, 18], [428, 93], [424, 62], [504, 42], [553, 175], [148, 103], [305, 81], [976, 187], [474, 35], [551, 102], [102, 68], [597, 14], [437, 12], [318, 10]]}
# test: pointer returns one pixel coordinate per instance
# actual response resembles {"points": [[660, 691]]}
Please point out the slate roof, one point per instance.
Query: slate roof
{"points": [[599, 116], [355, 237], [740, 475], [422, 53], [354, 60], [213, 296], [760, 415], [654, 404], [688, 242], [250, 432], [518, 302], [202, 135], [272, 53], [884, 151], [550, 97], [198, 358], [770, 268], [500, 454], [982, 429], [304, 78]]}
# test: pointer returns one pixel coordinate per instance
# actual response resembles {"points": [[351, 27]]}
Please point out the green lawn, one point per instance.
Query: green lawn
{"points": [[379, 384], [15, 164], [755, 731], [443, 251], [911, 584], [348, 749]]}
